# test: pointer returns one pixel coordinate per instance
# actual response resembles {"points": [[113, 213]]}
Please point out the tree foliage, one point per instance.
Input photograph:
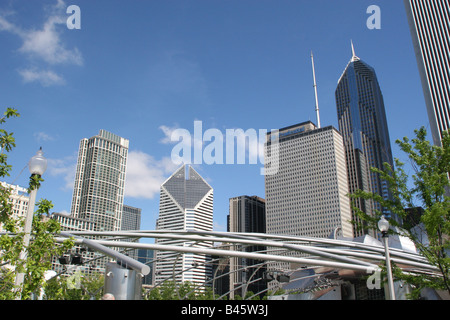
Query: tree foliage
{"points": [[420, 205], [86, 287], [170, 290], [42, 245]]}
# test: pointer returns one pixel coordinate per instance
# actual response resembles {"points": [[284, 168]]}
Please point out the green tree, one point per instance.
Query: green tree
{"points": [[170, 290], [89, 287], [166, 291], [43, 244], [427, 188]]}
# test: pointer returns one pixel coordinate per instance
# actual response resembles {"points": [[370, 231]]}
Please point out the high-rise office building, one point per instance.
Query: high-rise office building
{"points": [[88, 262], [97, 201], [247, 214], [18, 199], [186, 203], [131, 220], [363, 125], [100, 180], [308, 194], [429, 23], [146, 257]]}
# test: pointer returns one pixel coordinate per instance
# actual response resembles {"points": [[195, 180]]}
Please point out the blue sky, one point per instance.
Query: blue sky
{"points": [[143, 68]]}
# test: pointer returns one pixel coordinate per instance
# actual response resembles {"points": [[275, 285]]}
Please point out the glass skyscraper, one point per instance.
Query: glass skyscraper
{"points": [[363, 125], [429, 23]]}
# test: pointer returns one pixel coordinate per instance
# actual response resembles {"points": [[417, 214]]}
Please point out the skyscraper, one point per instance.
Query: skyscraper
{"points": [[247, 214], [100, 180], [59, 264], [18, 198], [186, 203], [429, 23], [131, 220], [363, 125], [308, 195]]}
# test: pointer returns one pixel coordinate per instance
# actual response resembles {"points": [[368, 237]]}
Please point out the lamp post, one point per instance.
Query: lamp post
{"points": [[383, 225], [37, 166]]}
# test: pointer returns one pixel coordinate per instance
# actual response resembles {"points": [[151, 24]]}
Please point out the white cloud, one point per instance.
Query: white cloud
{"points": [[66, 168], [42, 136], [45, 77], [64, 212], [145, 174], [173, 135], [167, 134], [44, 44], [7, 26]]}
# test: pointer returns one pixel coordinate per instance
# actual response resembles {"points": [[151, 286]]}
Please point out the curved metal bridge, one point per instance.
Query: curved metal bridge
{"points": [[308, 258]]}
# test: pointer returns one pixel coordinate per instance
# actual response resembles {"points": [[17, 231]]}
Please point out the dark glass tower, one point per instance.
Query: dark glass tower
{"points": [[247, 215], [363, 125]]}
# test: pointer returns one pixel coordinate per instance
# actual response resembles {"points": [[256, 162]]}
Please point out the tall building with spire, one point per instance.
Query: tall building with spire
{"points": [[186, 203], [429, 23], [363, 125]]}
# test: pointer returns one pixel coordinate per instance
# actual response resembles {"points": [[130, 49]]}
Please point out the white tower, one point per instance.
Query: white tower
{"points": [[100, 180], [185, 204], [308, 195]]}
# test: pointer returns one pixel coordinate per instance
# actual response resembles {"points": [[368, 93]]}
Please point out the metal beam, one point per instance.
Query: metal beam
{"points": [[257, 256], [122, 259]]}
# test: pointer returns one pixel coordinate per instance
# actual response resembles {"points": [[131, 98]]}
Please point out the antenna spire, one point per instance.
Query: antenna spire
{"points": [[315, 91], [354, 57]]}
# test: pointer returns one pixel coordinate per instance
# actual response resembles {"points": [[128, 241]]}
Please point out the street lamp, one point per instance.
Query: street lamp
{"points": [[37, 166], [383, 225]]}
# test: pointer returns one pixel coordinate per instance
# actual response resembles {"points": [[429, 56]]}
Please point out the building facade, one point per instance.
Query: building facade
{"points": [[186, 203], [248, 215], [99, 186], [429, 23], [88, 262], [146, 256], [100, 180], [19, 199], [131, 220], [363, 125], [308, 194]]}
